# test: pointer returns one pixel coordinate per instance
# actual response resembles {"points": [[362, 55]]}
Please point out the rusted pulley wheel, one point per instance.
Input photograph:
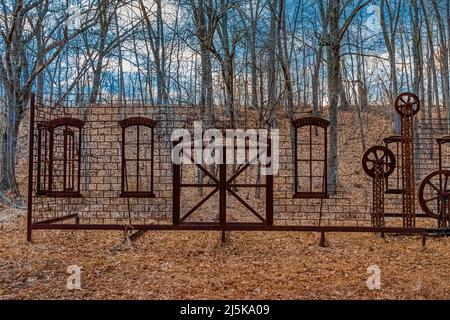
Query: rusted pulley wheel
{"points": [[407, 104], [434, 194], [378, 157]]}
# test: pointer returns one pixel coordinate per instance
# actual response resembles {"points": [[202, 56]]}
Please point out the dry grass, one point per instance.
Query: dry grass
{"points": [[191, 265], [253, 265]]}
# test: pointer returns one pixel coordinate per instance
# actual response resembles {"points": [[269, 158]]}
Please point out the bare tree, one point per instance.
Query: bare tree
{"points": [[20, 65], [389, 26], [157, 46], [433, 84], [444, 59], [271, 62], [334, 36], [205, 23]]}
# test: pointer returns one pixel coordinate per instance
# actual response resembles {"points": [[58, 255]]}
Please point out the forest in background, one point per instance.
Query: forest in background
{"points": [[265, 55]]}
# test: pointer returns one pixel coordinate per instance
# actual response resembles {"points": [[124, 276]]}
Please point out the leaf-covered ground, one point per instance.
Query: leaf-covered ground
{"points": [[252, 265], [193, 265]]}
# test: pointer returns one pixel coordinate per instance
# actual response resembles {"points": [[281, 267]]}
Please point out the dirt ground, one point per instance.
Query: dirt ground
{"points": [[193, 265]]}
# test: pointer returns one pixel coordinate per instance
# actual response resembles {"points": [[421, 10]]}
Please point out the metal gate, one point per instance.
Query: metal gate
{"points": [[226, 184]]}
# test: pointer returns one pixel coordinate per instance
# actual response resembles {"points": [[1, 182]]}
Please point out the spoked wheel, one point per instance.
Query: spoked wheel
{"points": [[378, 162], [434, 194], [407, 104]]}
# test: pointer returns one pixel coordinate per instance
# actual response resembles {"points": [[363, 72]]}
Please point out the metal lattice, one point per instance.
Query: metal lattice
{"points": [[407, 105]]}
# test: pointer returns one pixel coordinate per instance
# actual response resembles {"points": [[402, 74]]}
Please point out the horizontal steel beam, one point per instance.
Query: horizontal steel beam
{"points": [[231, 227]]}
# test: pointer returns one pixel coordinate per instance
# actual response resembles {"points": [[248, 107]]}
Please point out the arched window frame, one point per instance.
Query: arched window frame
{"points": [[312, 123], [70, 189], [125, 124]]}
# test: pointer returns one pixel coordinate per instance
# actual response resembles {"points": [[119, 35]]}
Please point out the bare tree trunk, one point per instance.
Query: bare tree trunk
{"points": [[418, 76], [432, 74], [444, 60], [315, 81], [333, 65], [156, 41], [15, 108], [335, 35], [284, 60], [204, 33], [271, 44], [390, 42], [105, 20], [252, 44], [120, 56]]}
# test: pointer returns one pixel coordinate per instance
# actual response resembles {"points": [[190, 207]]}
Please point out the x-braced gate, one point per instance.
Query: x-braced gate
{"points": [[224, 180]]}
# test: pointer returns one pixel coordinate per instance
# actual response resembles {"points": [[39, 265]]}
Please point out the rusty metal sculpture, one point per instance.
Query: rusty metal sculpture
{"points": [[434, 196], [407, 105], [98, 177], [378, 163]]}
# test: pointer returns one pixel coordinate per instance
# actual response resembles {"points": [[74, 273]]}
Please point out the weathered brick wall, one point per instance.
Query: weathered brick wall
{"points": [[101, 169], [100, 181]]}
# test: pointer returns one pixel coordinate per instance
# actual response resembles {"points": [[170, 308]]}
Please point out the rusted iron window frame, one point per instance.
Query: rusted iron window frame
{"points": [[137, 122], [65, 122], [398, 167], [322, 124]]}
